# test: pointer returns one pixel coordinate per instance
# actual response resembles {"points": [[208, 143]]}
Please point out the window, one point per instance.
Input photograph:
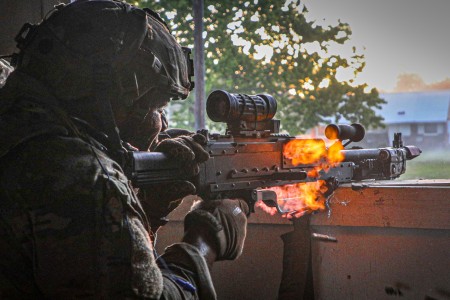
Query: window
{"points": [[430, 128]]}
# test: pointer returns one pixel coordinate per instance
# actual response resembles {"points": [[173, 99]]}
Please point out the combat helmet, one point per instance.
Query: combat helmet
{"points": [[100, 55]]}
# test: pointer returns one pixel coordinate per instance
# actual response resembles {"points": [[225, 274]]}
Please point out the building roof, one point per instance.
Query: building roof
{"points": [[416, 107]]}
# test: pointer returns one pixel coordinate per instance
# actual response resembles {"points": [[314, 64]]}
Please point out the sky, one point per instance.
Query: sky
{"points": [[396, 36]]}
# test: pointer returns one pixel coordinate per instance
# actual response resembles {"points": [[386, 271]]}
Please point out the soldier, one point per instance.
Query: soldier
{"points": [[90, 84]]}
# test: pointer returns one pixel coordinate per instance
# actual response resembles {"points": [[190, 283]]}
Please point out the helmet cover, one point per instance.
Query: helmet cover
{"points": [[143, 55]]}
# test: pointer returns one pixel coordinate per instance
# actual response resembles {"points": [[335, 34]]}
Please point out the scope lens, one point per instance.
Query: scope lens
{"points": [[218, 106]]}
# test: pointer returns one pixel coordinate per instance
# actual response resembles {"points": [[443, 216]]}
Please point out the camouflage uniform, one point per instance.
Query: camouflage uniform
{"points": [[71, 225]]}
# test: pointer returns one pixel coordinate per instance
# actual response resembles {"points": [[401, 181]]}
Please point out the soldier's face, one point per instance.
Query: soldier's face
{"points": [[152, 125], [141, 125]]}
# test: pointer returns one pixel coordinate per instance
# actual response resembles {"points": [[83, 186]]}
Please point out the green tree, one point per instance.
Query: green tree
{"points": [[255, 46]]}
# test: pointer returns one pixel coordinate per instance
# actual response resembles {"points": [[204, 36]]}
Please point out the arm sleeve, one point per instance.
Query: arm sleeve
{"points": [[183, 266]]}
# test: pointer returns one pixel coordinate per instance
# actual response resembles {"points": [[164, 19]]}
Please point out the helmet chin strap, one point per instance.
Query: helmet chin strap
{"points": [[104, 92]]}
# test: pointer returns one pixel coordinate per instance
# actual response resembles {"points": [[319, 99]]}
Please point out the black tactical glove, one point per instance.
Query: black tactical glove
{"points": [[187, 149], [226, 220], [159, 200]]}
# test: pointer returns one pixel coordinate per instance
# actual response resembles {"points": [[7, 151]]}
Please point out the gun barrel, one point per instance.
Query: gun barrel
{"points": [[361, 154], [382, 154], [412, 152]]}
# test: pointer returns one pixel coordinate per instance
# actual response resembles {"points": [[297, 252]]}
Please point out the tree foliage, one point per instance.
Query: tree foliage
{"points": [[255, 46]]}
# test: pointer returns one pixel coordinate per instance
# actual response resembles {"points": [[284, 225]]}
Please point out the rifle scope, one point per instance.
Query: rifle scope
{"points": [[222, 106], [354, 132]]}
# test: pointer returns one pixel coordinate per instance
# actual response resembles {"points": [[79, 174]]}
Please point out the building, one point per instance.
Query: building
{"points": [[423, 118]]}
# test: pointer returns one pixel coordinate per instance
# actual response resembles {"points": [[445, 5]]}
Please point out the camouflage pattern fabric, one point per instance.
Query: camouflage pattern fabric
{"points": [[76, 230], [71, 225]]}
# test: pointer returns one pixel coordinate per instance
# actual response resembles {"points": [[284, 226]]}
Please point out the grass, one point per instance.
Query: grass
{"points": [[429, 165]]}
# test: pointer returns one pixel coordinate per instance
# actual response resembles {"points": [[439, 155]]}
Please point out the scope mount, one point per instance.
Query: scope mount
{"points": [[253, 128]]}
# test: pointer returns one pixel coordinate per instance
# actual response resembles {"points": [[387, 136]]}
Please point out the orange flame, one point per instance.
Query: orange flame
{"points": [[302, 198], [305, 151], [335, 155]]}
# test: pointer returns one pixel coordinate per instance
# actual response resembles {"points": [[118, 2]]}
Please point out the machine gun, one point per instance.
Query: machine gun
{"points": [[250, 157]]}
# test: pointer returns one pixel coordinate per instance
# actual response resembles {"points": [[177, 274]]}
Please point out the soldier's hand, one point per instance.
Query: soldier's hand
{"points": [[226, 221], [187, 149], [160, 200]]}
